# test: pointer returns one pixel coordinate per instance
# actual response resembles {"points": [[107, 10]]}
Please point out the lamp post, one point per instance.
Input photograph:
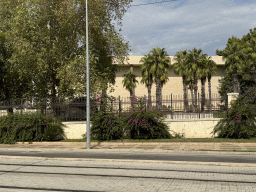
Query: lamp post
{"points": [[87, 85]]}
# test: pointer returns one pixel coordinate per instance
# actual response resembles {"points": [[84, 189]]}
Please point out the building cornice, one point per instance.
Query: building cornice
{"points": [[135, 60]]}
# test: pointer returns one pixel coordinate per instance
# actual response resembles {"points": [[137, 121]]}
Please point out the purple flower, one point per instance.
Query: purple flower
{"points": [[227, 109], [136, 121], [109, 120], [130, 120], [141, 110], [97, 99]]}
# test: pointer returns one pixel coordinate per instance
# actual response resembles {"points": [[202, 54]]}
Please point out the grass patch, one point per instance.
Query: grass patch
{"points": [[214, 140], [219, 114]]}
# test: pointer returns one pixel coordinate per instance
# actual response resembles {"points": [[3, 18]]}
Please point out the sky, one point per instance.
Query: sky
{"points": [[186, 24]]}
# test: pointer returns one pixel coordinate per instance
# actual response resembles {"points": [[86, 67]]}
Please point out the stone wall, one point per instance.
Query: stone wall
{"points": [[191, 128]]}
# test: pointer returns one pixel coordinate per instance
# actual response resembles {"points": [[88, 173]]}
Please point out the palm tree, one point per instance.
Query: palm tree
{"points": [[210, 71], [160, 68], [147, 74], [232, 54], [129, 82], [202, 75], [180, 68], [194, 63]]}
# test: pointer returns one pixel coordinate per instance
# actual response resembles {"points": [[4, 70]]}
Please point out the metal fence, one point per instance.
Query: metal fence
{"points": [[74, 109]]}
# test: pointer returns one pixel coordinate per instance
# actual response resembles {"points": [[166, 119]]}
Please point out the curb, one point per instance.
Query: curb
{"points": [[156, 151], [137, 161]]}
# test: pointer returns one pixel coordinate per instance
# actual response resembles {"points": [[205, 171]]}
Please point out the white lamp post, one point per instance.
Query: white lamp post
{"points": [[87, 85]]}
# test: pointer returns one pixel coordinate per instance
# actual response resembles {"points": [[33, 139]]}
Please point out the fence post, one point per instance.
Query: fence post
{"points": [[171, 101], [120, 105], [171, 108]]}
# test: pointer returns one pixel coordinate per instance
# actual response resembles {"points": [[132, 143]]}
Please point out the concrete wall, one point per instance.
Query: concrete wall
{"points": [[191, 128], [75, 130]]}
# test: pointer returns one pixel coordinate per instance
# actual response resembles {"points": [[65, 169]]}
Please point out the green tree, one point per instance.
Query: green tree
{"points": [[129, 82], [202, 76], [247, 68], [147, 74], [180, 68], [211, 68], [194, 63], [48, 41], [11, 86], [161, 69], [232, 55]]}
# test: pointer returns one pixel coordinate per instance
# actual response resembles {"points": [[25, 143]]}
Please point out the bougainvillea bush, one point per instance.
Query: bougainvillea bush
{"points": [[106, 125], [144, 123], [139, 123], [239, 121], [30, 127]]}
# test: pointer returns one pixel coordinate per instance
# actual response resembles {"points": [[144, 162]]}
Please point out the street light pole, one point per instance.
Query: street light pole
{"points": [[87, 85]]}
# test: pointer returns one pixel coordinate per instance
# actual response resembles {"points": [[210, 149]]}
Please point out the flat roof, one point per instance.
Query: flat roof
{"points": [[135, 60]]}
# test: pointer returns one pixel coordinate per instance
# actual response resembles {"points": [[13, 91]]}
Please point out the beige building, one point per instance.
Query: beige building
{"points": [[174, 84]]}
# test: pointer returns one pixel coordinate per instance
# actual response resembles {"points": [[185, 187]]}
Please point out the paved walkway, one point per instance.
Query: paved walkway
{"points": [[191, 146]]}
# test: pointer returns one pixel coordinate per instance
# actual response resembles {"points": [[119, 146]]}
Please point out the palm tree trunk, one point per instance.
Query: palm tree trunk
{"points": [[185, 97], [210, 94], [203, 94], [132, 99], [149, 96], [192, 97], [160, 96], [158, 90], [195, 92]]}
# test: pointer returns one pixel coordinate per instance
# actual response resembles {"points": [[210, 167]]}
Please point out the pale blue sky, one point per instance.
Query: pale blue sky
{"points": [[185, 24]]}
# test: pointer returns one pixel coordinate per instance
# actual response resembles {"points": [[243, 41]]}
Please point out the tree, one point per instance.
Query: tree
{"points": [[48, 39], [211, 68], [194, 63], [161, 69], [247, 68], [202, 76], [206, 70], [147, 74], [129, 82], [11, 86], [232, 54], [180, 68]]}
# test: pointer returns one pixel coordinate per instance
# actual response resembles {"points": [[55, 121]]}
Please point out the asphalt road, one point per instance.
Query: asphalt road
{"points": [[192, 156], [80, 175]]}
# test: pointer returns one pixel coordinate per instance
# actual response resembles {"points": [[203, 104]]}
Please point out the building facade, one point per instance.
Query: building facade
{"points": [[173, 86]]}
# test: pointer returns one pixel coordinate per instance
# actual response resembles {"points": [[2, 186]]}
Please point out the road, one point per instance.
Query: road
{"points": [[77, 170], [196, 156]]}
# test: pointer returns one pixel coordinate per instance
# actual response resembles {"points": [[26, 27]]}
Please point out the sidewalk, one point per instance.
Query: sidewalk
{"points": [[186, 146]]}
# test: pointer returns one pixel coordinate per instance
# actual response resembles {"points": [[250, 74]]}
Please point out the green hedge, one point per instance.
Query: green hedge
{"points": [[29, 127]]}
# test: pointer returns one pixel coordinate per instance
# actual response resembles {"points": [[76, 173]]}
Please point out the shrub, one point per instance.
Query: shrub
{"points": [[142, 123], [105, 124], [29, 127], [239, 121]]}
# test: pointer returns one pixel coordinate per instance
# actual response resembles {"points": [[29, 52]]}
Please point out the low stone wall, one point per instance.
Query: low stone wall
{"points": [[193, 128], [75, 129], [190, 128]]}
